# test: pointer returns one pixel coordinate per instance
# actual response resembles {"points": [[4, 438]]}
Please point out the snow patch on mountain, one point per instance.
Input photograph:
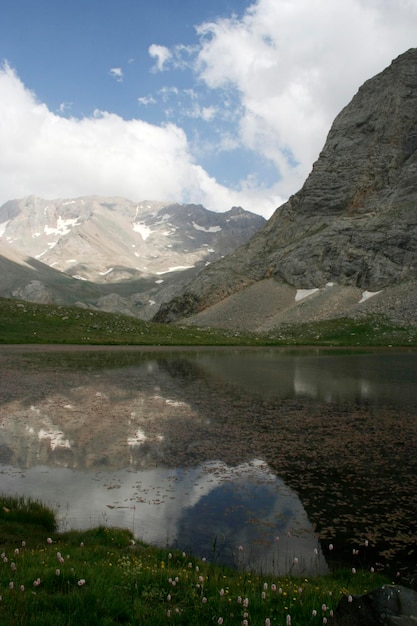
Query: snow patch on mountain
{"points": [[3, 227], [304, 293], [368, 294], [178, 268], [210, 229], [143, 230], [63, 226]]}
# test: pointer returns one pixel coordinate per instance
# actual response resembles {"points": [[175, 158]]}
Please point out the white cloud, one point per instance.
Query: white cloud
{"points": [[273, 81], [167, 92], [162, 54], [206, 113], [65, 107], [116, 73], [179, 57], [295, 64], [145, 100], [188, 102], [52, 156], [228, 143]]}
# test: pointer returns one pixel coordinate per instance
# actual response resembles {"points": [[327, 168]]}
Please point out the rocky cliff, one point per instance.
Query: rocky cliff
{"points": [[351, 229]]}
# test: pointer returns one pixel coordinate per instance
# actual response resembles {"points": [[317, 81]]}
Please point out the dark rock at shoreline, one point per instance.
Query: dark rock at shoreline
{"points": [[390, 605]]}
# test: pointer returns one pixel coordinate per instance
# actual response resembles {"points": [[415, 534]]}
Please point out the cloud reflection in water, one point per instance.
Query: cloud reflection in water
{"points": [[212, 510]]}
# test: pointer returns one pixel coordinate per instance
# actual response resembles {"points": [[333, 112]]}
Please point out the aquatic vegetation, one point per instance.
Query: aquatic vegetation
{"points": [[350, 461]]}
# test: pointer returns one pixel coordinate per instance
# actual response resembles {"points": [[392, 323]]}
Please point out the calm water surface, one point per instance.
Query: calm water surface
{"points": [[255, 458]]}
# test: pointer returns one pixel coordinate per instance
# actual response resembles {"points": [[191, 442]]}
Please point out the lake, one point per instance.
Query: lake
{"points": [[278, 460]]}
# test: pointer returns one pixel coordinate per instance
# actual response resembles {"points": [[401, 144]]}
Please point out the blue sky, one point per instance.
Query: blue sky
{"points": [[223, 102]]}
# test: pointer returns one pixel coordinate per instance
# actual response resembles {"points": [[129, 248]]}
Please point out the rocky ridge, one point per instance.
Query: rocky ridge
{"points": [[347, 241], [111, 253]]}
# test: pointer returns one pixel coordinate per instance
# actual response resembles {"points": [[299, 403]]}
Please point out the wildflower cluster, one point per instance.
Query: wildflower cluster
{"points": [[197, 592], [105, 575], [16, 575]]}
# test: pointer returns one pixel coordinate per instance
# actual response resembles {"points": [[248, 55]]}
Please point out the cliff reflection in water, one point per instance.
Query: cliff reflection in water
{"points": [[378, 376]]}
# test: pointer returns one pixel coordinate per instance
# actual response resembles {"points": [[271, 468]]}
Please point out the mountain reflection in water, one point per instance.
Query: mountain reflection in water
{"points": [[211, 450]]}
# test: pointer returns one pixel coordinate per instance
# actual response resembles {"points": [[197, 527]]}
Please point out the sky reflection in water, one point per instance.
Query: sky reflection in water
{"points": [[147, 447], [240, 516]]}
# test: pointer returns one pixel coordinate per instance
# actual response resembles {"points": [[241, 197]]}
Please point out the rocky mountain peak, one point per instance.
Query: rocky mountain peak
{"points": [[368, 144], [134, 255], [354, 221], [109, 239]]}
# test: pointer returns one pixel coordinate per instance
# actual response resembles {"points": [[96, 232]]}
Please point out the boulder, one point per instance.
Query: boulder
{"points": [[390, 605]]}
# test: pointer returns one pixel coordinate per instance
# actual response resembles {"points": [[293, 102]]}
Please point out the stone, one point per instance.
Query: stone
{"points": [[34, 291], [390, 605]]}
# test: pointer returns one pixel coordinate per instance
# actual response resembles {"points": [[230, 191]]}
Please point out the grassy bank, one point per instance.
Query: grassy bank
{"points": [[102, 576], [24, 322]]}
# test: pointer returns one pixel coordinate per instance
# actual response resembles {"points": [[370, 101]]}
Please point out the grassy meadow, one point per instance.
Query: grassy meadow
{"points": [[102, 576], [24, 322]]}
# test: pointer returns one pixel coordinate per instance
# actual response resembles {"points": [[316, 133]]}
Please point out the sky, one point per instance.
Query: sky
{"points": [[222, 103]]}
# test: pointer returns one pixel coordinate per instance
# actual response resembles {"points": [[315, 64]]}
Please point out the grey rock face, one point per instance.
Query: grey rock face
{"points": [[354, 222], [34, 291]]}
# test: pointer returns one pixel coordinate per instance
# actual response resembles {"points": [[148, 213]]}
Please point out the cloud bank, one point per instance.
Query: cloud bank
{"points": [[288, 67], [53, 156]]}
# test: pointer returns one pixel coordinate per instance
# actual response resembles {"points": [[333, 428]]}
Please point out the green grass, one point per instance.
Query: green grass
{"points": [[369, 331], [24, 322], [26, 511], [102, 576]]}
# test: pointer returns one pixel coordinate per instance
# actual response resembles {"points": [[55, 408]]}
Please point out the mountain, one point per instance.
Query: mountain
{"points": [[131, 256], [34, 281], [346, 243]]}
